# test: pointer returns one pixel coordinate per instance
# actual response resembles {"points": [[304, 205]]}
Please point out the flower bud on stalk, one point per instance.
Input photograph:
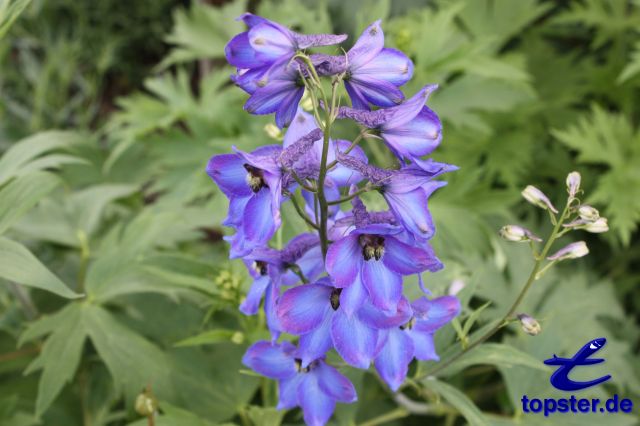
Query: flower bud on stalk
{"points": [[597, 227], [517, 233], [571, 251], [529, 325], [273, 131], [589, 213], [146, 403], [537, 198], [573, 184]]}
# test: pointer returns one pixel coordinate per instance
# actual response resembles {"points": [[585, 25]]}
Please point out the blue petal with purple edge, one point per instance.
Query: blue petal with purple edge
{"points": [[251, 20], [317, 342], [271, 41], [411, 210], [288, 107], [417, 137], [405, 259], [433, 314], [317, 406], [378, 319], [409, 109], [344, 258], [378, 92], [302, 309], [384, 285], [228, 172], [389, 65], [424, 347], [236, 211], [259, 224], [268, 99], [270, 360], [249, 79], [368, 45], [270, 311], [353, 297], [358, 101], [353, 339], [288, 390], [335, 384], [393, 360], [302, 124], [241, 54], [251, 304]]}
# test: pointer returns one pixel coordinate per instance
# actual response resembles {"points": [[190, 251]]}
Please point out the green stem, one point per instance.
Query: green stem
{"points": [[301, 212], [505, 319], [355, 142], [350, 197], [398, 413]]}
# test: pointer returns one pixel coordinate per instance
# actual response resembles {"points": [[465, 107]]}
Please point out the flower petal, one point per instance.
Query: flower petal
{"points": [[353, 297], [389, 65], [376, 318], [424, 347], [241, 54], [335, 384], [433, 314], [271, 41], [269, 98], [358, 100], [270, 360], [417, 137], [228, 172], [316, 343], [251, 303], [302, 309], [405, 259], [409, 109], [288, 107], [378, 92], [368, 45], [344, 258], [410, 208], [302, 124], [393, 360], [384, 285], [317, 406], [259, 224], [288, 391], [353, 340]]}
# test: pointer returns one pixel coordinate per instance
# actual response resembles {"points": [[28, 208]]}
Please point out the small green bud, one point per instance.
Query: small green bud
{"points": [[537, 198], [597, 227], [589, 213], [529, 325], [146, 403], [517, 234], [273, 131], [573, 183]]}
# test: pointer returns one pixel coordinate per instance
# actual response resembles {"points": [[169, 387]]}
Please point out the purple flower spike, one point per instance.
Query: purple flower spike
{"points": [[414, 338], [410, 129], [315, 388]]}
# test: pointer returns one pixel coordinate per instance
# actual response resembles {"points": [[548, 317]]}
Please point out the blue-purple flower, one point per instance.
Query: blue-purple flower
{"points": [[410, 129], [315, 388], [414, 338]]}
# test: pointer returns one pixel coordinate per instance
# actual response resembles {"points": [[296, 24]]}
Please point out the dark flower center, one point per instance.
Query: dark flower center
{"points": [[308, 368], [254, 178], [409, 325], [372, 246], [335, 298], [260, 267]]}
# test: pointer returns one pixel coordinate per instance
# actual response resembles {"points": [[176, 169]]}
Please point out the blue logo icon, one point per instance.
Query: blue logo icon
{"points": [[560, 378]]}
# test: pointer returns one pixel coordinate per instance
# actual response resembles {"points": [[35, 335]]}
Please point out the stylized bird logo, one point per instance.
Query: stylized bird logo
{"points": [[560, 378]]}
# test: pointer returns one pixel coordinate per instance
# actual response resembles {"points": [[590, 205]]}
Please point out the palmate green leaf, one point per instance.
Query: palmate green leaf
{"points": [[209, 337], [25, 156], [313, 18], [60, 356], [265, 416], [633, 67], [173, 416], [459, 400], [18, 264], [202, 31], [607, 138], [89, 204], [21, 194]]}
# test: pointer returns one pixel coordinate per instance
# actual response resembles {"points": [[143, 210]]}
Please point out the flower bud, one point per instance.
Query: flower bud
{"points": [[529, 325], [517, 233], [273, 131], [597, 227], [306, 103], [573, 183], [146, 404], [456, 287], [589, 213], [537, 198], [572, 251]]}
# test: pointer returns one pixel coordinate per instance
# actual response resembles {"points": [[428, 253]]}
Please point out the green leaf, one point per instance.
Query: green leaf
{"points": [[173, 416], [90, 203], [633, 67], [473, 318], [498, 355], [21, 194], [266, 416], [210, 337], [9, 12], [18, 264], [59, 357], [459, 400]]}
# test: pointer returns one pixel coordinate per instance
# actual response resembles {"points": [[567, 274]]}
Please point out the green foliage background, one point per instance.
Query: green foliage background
{"points": [[109, 111]]}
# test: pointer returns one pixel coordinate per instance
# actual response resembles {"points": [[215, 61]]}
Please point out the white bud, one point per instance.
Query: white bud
{"points": [[517, 233], [537, 198], [273, 131], [456, 287], [571, 251], [597, 227], [573, 183], [589, 213], [529, 325], [306, 103]]}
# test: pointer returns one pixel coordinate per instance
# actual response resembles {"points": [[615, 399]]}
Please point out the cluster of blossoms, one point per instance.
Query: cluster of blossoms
{"points": [[338, 286]]}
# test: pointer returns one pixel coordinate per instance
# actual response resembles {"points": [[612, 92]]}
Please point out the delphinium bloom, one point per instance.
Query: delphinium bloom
{"points": [[338, 285]]}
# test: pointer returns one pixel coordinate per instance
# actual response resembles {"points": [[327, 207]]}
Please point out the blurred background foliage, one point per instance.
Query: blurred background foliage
{"points": [[109, 111]]}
